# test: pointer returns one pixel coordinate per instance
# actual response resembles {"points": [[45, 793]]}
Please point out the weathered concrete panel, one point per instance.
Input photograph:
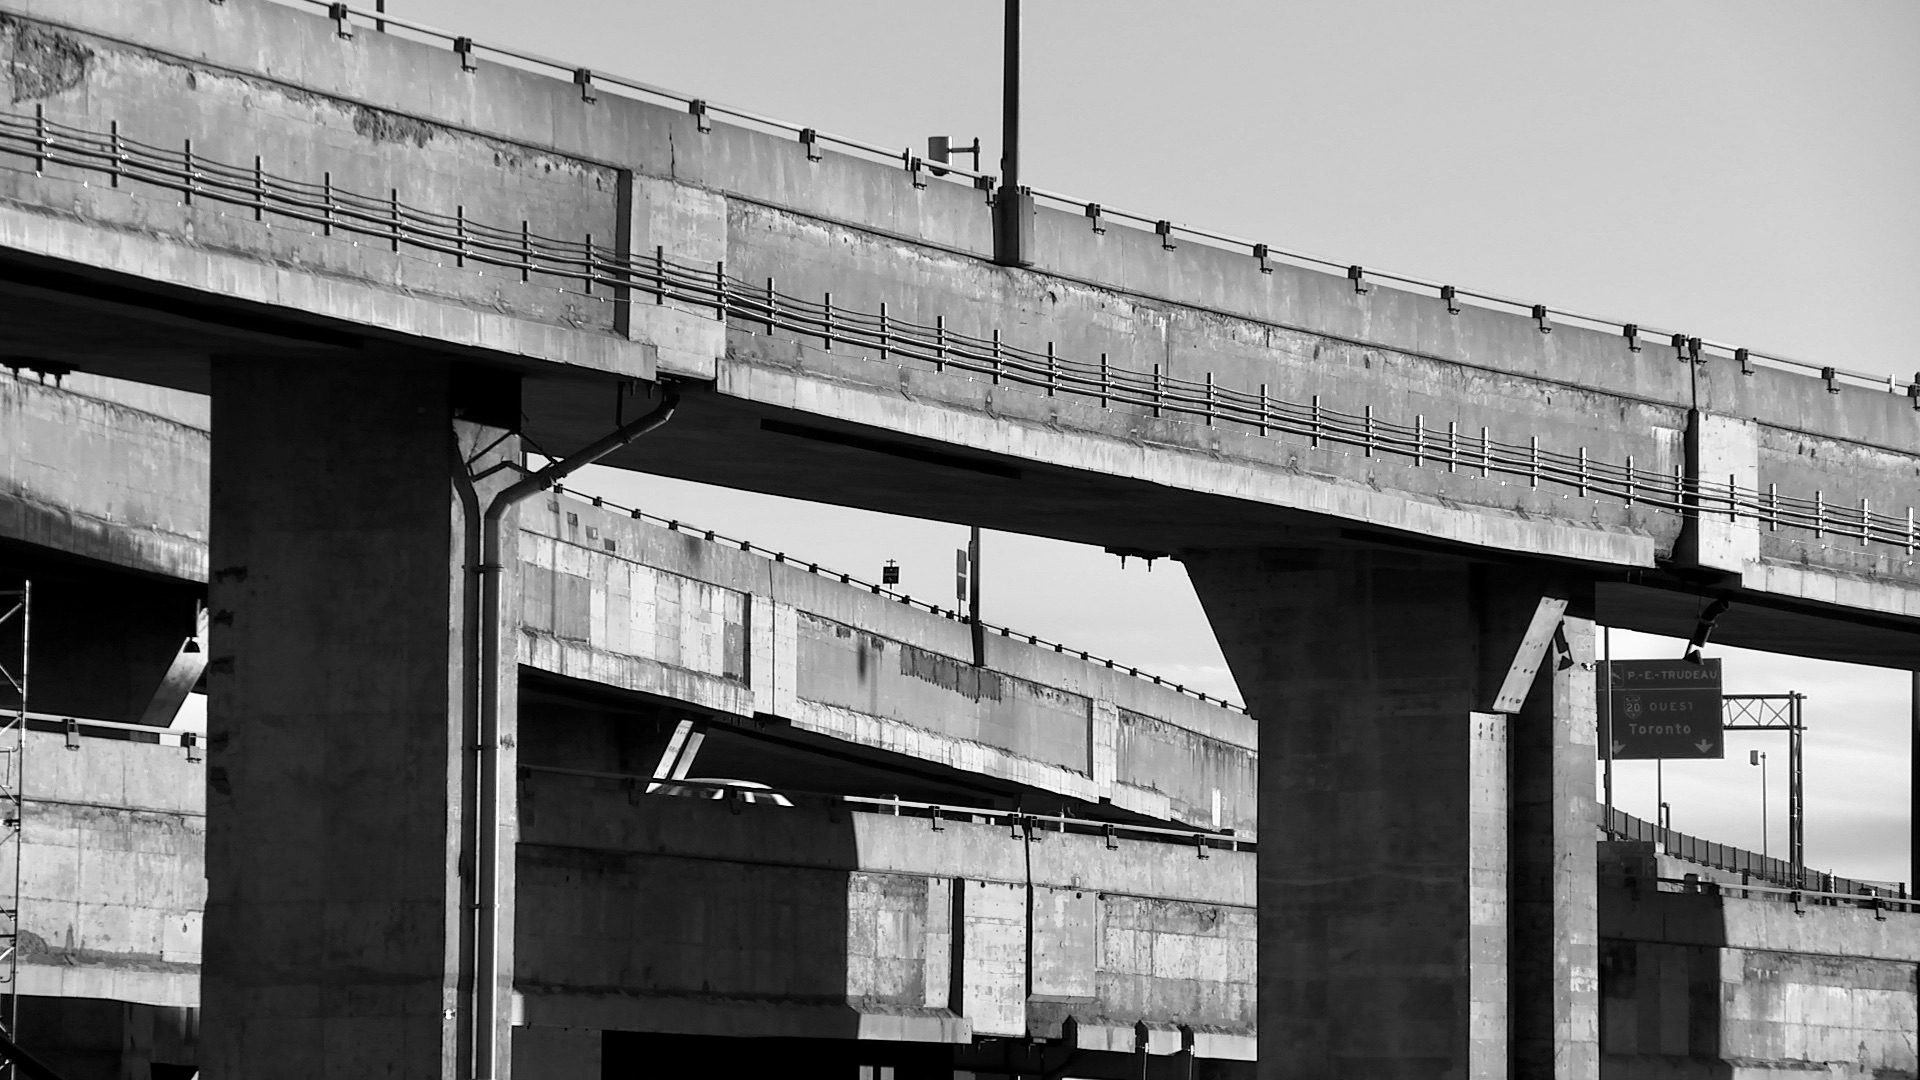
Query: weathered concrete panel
{"points": [[1066, 935], [1194, 962], [629, 604], [993, 950], [846, 667], [1205, 782], [895, 925], [670, 914], [93, 477], [113, 871], [590, 615], [1824, 1011], [1693, 1009], [1694, 984], [340, 144]]}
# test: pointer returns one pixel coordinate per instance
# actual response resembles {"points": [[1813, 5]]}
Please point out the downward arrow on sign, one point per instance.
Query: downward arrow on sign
{"points": [[1703, 745], [1617, 747]]}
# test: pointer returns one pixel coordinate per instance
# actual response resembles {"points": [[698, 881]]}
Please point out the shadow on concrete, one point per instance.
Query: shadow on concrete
{"points": [[680, 916]]}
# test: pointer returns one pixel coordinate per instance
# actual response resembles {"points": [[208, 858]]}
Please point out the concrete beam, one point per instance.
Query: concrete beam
{"points": [[376, 107], [626, 604], [113, 871], [97, 479], [802, 921]]}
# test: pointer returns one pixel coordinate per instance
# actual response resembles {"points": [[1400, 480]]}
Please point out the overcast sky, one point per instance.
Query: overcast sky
{"points": [[1744, 169]]}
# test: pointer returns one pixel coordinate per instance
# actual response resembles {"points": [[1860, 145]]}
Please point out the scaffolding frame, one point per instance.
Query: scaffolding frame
{"points": [[16, 624]]}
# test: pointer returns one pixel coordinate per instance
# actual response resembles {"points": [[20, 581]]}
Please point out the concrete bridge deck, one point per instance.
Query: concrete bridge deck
{"points": [[613, 604], [1233, 403]]}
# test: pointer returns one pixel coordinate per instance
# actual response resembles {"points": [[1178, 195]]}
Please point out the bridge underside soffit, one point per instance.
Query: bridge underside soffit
{"points": [[128, 329], [574, 725]]}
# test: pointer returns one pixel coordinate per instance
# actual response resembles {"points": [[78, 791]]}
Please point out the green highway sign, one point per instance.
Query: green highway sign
{"points": [[1660, 709]]}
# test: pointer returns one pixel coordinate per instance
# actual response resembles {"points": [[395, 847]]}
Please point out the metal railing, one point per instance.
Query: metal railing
{"points": [[1878, 902], [952, 614], [1020, 823], [75, 726], [1690, 346], [1751, 864], [617, 275]]}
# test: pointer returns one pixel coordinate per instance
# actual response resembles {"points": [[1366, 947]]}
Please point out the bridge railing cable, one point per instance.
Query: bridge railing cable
{"points": [[613, 275]]}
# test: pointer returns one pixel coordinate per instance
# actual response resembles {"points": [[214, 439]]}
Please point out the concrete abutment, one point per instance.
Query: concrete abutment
{"points": [[1426, 872]]}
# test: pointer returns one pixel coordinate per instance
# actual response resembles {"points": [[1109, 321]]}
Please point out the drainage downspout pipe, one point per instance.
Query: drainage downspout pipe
{"points": [[486, 983]]}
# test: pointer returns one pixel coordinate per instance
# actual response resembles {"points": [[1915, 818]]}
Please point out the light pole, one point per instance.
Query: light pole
{"points": [[1759, 757]]}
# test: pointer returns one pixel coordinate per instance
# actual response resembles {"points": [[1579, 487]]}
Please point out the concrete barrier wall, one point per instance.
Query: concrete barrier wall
{"points": [[674, 914], [103, 479], [899, 682], [113, 871], [1696, 985], [234, 98], [632, 605], [233, 117]]}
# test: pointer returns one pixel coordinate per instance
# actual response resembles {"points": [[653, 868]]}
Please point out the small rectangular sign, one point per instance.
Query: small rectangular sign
{"points": [[1662, 709]]}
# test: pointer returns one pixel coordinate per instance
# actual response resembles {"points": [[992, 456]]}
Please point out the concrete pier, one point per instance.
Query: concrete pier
{"points": [[1406, 927], [334, 860]]}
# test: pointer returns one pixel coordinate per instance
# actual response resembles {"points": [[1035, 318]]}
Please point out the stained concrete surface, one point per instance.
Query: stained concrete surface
{"points": [[844, 226], [797, 921], [1694, 985], [629, 605], [1697, 985]]}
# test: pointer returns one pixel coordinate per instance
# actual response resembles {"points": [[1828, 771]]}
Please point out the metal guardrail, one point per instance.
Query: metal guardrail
{"points": [[1778, 872], [1021, 824], [952, 614], [1690, 346], [618, 274], [74, 726], [1878, 903]]}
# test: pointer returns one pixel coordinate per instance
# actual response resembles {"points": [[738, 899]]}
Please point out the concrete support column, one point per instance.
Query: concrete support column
{"points": [[1554, 901], [339, 723], [1384, 809]]}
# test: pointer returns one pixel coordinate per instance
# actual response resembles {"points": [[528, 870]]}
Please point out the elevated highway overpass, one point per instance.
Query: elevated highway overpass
{"points": [[352, 243], [1384, 411], [659, 929]]}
